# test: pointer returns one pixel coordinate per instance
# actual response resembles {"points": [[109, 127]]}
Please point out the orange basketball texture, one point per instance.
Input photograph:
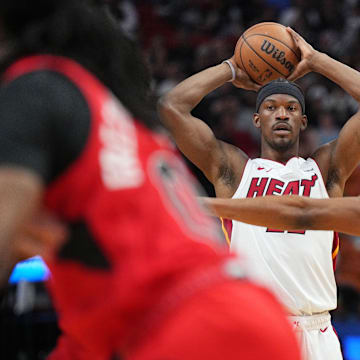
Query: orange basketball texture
{"points": [[266, 51]]}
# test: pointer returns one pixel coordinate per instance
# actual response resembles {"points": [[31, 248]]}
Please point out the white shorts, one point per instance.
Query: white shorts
{"points": [[318, 340]]}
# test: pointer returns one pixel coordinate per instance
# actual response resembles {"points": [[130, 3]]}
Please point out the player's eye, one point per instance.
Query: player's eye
{"points": [[270, 107], [292, 108]]}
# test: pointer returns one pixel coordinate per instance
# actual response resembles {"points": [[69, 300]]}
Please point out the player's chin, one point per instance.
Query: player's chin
{"points": [[282, 136], [282, 142]]}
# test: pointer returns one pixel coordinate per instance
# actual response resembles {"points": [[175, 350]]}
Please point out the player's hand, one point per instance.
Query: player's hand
{"points": [[42, 236], [242, 79], [307, 56]]}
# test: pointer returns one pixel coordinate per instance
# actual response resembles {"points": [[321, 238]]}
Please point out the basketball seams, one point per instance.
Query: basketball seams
{"points": [[264, 24], [242, 36], [264, 59], [271, 37]]}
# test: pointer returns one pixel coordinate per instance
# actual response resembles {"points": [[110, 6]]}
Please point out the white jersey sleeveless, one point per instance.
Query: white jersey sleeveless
{"points": [[298, 267]]}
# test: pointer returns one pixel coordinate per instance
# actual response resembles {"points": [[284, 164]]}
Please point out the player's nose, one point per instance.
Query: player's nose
{"points": [[282, 114]]}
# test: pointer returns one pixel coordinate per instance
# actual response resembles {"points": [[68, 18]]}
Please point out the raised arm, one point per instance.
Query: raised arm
{"points": [[316, 61], [292, 212], [194, 137], [344, 152], [338, 159]]}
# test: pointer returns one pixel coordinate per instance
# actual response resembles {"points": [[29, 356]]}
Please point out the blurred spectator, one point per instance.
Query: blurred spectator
{"points": [[328, 130], [309, 141]]}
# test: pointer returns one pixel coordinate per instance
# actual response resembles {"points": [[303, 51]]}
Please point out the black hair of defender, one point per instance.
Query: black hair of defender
{"points": [[83, 31]]}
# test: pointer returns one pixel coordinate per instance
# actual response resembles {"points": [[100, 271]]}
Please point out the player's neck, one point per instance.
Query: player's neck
{"points": [[279, 156]]}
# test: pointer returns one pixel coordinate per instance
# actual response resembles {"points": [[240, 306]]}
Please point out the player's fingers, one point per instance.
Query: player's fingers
{"points": [[300, 70], [247, 85], [295, 75], [255, 87], [250, 85], [296, 37]]}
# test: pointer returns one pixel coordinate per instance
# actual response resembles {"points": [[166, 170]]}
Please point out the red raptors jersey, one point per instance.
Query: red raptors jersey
{"points": [[138, 239]]}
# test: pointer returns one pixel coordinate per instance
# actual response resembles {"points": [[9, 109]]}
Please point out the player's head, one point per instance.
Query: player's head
{"points": [[82, 30], [280, 114], [17, 15]]}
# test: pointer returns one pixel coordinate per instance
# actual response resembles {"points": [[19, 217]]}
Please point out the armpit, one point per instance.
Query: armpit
{"points": [[333, 179], [227, 176]]}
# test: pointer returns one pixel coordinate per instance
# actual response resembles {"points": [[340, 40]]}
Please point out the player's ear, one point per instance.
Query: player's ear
{"points": [[256, 120], [304, 122]]}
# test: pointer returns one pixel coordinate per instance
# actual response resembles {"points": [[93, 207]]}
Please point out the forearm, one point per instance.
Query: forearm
{"points": [[20, 194], [292, 212], [186, 95], [261, 211], [193, 136], [343, 75]]}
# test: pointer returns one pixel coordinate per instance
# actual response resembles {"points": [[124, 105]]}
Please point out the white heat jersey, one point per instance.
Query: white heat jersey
{"points": [[297, 266]]}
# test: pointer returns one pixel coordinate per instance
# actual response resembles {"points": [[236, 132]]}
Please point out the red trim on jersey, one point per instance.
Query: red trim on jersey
{"points": [[335, 249], [45, 62], [227, 225], [316, 164], [335, 331]]}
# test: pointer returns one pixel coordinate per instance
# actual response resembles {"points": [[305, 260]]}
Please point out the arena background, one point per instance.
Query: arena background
{"points": [[179, 38]]}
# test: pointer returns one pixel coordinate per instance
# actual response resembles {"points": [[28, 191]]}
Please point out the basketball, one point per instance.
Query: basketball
{"points": [[266, 51]]}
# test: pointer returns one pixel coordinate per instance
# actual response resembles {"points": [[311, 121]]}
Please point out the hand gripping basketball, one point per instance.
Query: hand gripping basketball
{"points": [[242, 79], [308, 54], [267, 51]]}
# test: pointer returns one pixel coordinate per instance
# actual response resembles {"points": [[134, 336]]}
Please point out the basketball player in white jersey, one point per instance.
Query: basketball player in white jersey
{"points": [[297, 265]]}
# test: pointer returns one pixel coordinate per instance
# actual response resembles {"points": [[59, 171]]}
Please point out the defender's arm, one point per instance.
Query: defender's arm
{"points": [[292, 212]]}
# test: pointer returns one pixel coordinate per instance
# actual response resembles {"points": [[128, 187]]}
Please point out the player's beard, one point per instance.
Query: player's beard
{"points": [[280, 144]]}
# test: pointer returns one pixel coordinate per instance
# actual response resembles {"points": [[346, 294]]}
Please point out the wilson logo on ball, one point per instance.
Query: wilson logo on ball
{"points": [[278, 55], [267, 51]]}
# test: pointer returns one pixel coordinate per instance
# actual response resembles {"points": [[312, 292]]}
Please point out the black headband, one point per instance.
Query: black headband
{"points": [[277, 87]]}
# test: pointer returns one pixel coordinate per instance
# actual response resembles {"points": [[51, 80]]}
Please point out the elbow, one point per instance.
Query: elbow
{"points": [[166, 107], [171, 112], [163, 104], [165, 110]]}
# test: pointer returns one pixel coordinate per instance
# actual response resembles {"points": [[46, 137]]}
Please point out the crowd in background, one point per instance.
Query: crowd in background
{"points": [[181, 37]]}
